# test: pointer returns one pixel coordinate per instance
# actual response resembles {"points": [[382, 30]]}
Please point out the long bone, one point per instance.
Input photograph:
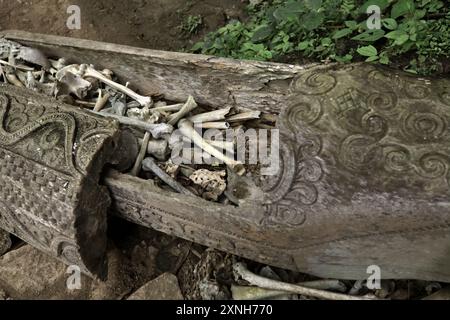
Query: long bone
{"points": [[87, 71], [187, 130]]}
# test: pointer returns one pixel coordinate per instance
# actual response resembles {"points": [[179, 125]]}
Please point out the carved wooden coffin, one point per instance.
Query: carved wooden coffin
{"points": [[51, 157], [364, 176]]}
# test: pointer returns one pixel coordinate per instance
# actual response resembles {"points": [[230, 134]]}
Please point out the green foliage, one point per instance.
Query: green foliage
{"points": [[414, 34], [192, 24]]}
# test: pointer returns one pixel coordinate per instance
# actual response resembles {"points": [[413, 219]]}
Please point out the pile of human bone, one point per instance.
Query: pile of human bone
{"points": [[185, 147]]}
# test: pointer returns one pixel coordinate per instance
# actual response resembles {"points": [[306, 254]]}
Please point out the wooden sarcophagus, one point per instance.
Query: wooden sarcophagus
{"points": [[363, 176]]}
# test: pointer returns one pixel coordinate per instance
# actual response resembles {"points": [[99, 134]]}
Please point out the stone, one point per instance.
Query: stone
{"points": [[165, 287], [118, 282], [5, 242], [27, 273]]}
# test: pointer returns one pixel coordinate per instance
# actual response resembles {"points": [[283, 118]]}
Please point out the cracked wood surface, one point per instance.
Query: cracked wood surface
{"points": [[365, 157]]}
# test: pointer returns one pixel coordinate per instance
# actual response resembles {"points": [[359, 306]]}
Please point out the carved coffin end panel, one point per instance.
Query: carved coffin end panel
{"points": [[51, 156], [365, 171]]}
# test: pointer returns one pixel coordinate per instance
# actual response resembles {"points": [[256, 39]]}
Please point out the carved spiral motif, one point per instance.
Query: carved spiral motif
{"points": [[50, 138], [294, 185], [314, 83], [397, 158], [425, 126], [433, 165], [417, 90], [374, 125], [303, 113], [359, 152], [445, 96], [17, 118], [385, 102], [309, 170]]}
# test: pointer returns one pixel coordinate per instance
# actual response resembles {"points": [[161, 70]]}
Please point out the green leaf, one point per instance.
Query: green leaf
{"points": [[262, 33], [384, 59], [367, 51], [313, 4], [312, 20], [344, 59], [399, 36], [197, 46], [289, 11], [372, 58], [389, 23], [303, 45], [342, 33], [370, 36], [351, 24], [401, 8]]}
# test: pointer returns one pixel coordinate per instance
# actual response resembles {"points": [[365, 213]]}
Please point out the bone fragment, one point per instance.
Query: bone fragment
{"points": [[157, 130], [187, 107], [215, 115], [241, 271], [187, 129], [141, 155], [149, 165]]}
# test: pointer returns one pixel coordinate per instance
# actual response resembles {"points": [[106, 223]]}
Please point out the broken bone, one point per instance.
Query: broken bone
{"points": [[244, 116], [187, 130], [149, 165], [216, 115], [241, 271], [222, 125], [157, 148], [211, 182], [157, 130], [87, 71], [72, 83], [187, 107], [141, 155]]}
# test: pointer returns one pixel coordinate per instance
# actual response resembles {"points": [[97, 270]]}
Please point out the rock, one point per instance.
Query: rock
{"points": [[118, 281], [165, 287], [27, 273], [5, 242]]}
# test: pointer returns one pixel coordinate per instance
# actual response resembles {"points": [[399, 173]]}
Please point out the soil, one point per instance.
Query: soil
{"points": [[155, 24]]}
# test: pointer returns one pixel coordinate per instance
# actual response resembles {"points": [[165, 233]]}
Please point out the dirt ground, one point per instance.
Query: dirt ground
{"points": [[155, 24]]}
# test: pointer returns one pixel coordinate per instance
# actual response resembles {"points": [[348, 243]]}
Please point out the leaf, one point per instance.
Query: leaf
{"points": [[289, 11], [303, 45], [370, 36], [282, 14], [342, 33], [367, 51], [399, 36], [389, 23], [312, 20], [313, 4], [262, 33], [351, 24], [401, 8], [372, 58], [384, 59]]}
